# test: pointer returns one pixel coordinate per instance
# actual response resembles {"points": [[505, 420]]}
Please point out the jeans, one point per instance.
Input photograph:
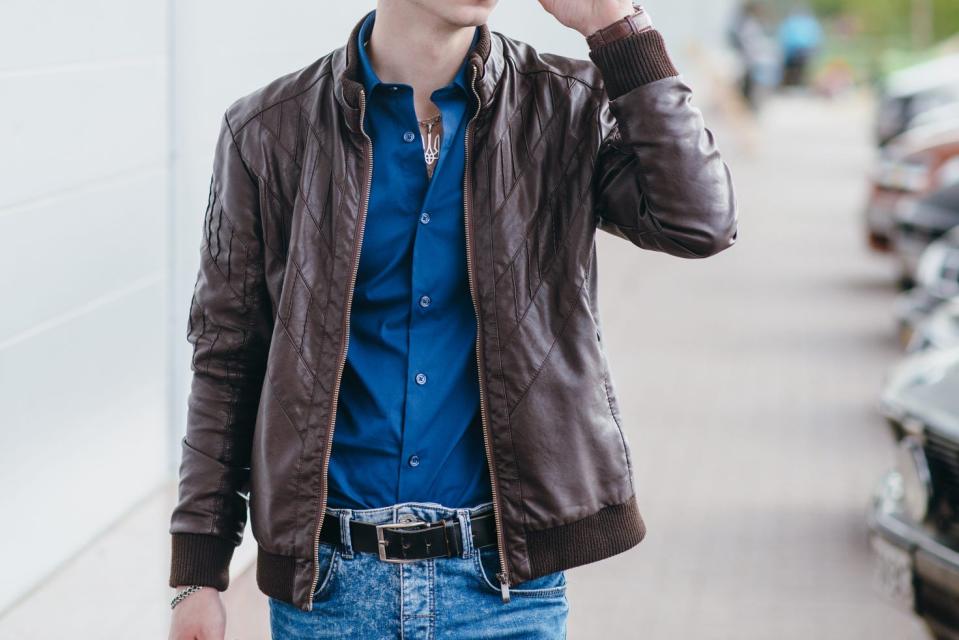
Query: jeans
{"points": [[361, 597]]}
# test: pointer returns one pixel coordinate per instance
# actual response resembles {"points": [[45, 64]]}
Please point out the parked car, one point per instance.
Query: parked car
{"points": [[937, 281], [937, 115], [913, 518], [916, 163], [940, 330], [921, 221], [905, 94]]}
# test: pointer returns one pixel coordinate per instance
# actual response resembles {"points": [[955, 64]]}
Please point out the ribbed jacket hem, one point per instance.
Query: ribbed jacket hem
{"points": [[607, 532], [632, 61], [276, 575], [200, 559]]}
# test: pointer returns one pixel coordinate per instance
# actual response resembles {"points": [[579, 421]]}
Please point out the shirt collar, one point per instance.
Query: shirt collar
{"points": [[368, 75]]}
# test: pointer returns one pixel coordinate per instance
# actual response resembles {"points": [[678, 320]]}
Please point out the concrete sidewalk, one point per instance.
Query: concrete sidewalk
{"points": [[748, 384]]}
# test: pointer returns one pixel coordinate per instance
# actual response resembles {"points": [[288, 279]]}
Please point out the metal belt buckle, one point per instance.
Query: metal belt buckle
{"points": [[381, 542]]}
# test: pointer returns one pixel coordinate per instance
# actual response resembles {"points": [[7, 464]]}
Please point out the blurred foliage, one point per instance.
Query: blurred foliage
{"points": [[893, 19], [870, 38]]}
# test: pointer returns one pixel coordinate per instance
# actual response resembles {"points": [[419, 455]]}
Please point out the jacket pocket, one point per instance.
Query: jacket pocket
{"points": [[611, 395], [613, 403]]}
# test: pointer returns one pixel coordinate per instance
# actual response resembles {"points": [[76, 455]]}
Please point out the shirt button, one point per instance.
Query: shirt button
{"points": [[420, 378], [424, 217], [409, 136], [425, 301], [414, 461]]}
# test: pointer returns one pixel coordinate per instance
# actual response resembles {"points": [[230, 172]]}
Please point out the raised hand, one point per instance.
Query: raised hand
{"points": [[586, 16]]}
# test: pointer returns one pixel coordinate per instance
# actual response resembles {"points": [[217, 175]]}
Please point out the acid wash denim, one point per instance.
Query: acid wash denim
{"points": [[361, 597]]}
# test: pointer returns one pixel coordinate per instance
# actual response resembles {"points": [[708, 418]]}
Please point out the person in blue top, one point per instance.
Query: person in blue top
{"points": [[800, 35]]}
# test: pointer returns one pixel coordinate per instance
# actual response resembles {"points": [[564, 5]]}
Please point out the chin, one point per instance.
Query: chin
{"points": [[462, 13]]}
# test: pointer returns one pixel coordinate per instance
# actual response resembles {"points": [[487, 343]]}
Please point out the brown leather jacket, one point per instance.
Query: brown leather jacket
{"points": [[558, 148]]}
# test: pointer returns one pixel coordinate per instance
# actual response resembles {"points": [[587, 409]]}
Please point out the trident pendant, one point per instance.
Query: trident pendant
{"points": [[431, 148]]}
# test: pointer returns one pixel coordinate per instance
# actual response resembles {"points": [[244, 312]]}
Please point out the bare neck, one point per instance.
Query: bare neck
{"points": [[412, 46]]}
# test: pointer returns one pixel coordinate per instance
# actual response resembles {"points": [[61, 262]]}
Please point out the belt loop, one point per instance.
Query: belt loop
{"points": [[346, 516], [466, 531]]}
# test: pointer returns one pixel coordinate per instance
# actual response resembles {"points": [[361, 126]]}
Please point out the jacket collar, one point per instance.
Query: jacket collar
{"points": [[486, 55]]}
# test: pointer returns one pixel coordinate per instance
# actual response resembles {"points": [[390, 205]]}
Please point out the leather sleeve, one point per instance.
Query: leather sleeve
{"points": [[659, 180], [229, 326]]}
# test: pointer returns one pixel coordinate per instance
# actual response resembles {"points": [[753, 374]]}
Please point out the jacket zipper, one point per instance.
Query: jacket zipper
{"points": [[345, 343], [503, 575]]}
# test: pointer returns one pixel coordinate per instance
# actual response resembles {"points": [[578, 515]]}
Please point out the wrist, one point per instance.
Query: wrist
{"points": [[634, 59], [607, 17], [636, 22], [183, 592]]}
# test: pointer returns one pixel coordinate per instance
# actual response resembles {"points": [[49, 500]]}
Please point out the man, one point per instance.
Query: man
{"points": [[397, 348], [799, 36]]}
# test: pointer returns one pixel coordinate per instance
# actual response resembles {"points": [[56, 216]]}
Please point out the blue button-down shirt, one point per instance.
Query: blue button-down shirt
{"points": [[408, 422]]}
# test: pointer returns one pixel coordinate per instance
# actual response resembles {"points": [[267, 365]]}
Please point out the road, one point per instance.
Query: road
{"points": [[748, 384]]}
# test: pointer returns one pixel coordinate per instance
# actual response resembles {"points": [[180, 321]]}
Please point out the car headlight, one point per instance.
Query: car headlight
{"points": [[938, 268], [903, 175], [916, 479], [931, 262], [948, 173]]}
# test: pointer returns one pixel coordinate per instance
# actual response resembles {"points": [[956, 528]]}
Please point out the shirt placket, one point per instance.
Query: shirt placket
{"points": [[426, 306]]}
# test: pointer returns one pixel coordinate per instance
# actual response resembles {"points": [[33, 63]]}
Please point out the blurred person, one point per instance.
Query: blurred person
{"points": [[800, 35], [477, 452], [837, 76], [753, 46]]}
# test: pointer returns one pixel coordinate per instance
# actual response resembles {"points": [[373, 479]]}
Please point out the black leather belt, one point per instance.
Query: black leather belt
{"points": [[409, 541]]}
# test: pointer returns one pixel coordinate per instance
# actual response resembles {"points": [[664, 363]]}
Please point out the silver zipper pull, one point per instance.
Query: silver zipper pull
{"points": [[504, 588]]}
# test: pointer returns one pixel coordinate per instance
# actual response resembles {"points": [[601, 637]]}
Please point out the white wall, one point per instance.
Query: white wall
{"points": [[110, 113], [82, 253]]}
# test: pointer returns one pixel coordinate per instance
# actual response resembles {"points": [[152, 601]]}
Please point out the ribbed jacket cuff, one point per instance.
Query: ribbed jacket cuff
{"points": [[632, 61], [201, 559]]}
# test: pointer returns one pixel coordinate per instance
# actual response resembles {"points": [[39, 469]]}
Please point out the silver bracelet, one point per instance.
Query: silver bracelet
{"points": [[183, 594]]}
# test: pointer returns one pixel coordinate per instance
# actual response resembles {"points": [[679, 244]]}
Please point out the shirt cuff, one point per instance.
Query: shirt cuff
{"points": [[633, 60]]}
